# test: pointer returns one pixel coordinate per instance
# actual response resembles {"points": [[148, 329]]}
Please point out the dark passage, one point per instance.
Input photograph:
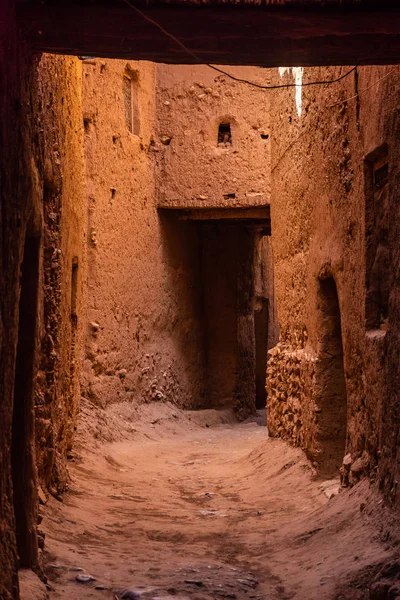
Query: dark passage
{"points": [[261, 317], [331, 390], [23, 456]]}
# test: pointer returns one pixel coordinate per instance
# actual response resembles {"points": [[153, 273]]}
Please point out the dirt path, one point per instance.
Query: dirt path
{"points": [[192, 505]]}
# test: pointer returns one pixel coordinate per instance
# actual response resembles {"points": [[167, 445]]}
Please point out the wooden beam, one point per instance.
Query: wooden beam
{"points": [[226, 214], [243, 33]]}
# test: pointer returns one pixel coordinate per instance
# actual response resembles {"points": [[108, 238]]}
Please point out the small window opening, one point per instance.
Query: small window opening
{"points": [[224, 135], [127, 90], [229, 196], [381, 172], [74, 290], [376, 171], [264, 136], [131, 102]]}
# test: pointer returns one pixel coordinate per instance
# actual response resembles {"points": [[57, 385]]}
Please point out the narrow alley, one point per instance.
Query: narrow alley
{"points": [[199, 300], [171, 504]]}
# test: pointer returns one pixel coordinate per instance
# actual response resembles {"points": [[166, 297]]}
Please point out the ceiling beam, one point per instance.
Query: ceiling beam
{"points": [[220, 32]]}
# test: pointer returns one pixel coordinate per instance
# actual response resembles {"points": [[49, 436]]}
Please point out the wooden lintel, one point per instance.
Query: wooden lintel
{"points": [[226, 214], [242, 32]]}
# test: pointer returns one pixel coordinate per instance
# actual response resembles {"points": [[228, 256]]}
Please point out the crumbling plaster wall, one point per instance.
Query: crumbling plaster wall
{"points": [[318, 220], [15, 72], [144, 336], [29, 129], [193, 170], [58, 117]]}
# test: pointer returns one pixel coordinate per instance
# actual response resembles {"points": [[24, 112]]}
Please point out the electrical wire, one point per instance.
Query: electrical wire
{"points": [[284, 85], [238, 79], [364, 89]]}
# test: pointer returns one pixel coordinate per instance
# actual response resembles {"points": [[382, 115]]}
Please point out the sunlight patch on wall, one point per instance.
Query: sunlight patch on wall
{"points": [[297, 73]]}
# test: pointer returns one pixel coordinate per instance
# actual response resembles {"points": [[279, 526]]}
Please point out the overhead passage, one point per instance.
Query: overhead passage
{"points": [[269, 33]]}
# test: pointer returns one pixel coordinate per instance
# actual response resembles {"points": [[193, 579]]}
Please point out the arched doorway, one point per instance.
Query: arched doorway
{"points": [[331, 385], [22, 448]]}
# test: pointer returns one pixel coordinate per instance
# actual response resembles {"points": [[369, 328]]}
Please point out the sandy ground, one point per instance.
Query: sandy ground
{"points": [[194, 505]]}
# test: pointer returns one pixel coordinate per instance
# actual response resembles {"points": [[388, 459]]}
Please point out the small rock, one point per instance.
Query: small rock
{"points": [[84, 578], [101, 587], [41, 495], [131, 594], [165, 139], [197, 582], [360, 466], [251, 583], [347, 461], [76, 569]]}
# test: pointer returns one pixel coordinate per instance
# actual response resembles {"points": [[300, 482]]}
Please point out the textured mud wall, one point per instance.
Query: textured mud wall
{"points": [[144, 335], [15, 188], [58, 106], [170, 300], [322, 222], [212, 150], [29, 129], [191, 104]]}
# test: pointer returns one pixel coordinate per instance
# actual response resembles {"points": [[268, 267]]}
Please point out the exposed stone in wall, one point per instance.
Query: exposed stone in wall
{"points": [[32, 123], [292, 409], [14, 63], [58, 102]]}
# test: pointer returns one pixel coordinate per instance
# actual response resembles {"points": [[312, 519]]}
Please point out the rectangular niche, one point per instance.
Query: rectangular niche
{"points": [[131, 101], [376, 177]]}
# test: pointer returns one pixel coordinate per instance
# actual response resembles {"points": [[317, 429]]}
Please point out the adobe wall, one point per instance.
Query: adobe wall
{"points": [[58, 116], [322, 224], [14, 200], [29, 132], [194, 169], [170, 300], [144, 333]]}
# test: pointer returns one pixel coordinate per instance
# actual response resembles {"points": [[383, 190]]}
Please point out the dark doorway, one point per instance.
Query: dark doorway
{"points": [[261, 317], [331, 386], [23, 455]]}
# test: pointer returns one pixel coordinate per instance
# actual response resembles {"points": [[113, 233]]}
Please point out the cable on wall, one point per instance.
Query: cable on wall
{"points": [[238, 79]]}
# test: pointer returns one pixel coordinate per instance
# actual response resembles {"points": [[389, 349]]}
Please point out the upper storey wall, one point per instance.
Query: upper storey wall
{"points": [[144, 341], [196, 167]]}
